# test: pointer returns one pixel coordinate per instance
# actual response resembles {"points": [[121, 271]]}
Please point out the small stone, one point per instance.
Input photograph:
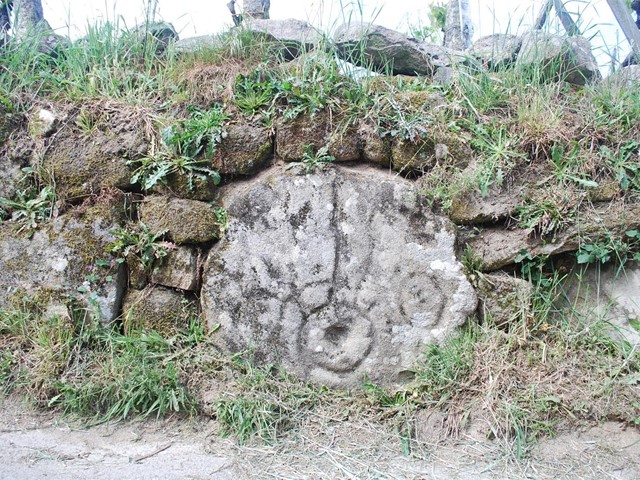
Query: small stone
{"points": [[178, 269], [504, 299], [183, 221], [43, 122], [157, 309]]}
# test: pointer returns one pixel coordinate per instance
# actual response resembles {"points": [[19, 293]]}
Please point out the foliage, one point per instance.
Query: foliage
{"points": [[140, 245], [200, 133], [313, 161], [86, 368], [609, 247], [268, 402], [32, 206], [160, 165], [433, 30]]}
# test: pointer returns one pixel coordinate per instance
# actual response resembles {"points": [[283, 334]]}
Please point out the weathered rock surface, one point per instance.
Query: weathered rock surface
{"points": [[59, 263], [294, 136], [15, 151], [291, 37], [199, 187], [567, 58], [85, 160], [43, 122], [610, 295], [338, 275], [498, 247], [179, 269], [504, 299], [471, 208], [183, 221], [162, 33], [157, 308], [497, 50], [367, 45], [245, 150], [195, 44], [441, 56], [628, 77]]}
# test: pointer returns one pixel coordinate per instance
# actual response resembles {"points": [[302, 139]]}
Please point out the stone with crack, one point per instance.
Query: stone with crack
{"points": [[340, 276]]}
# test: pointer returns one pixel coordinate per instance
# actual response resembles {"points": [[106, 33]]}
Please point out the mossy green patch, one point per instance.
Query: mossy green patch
{"points": [[157, 309]]}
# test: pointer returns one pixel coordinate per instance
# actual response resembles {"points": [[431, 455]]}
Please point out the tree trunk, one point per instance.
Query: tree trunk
{"points": [[28, 16], [5, 21], [257, 8], [458, 29]]}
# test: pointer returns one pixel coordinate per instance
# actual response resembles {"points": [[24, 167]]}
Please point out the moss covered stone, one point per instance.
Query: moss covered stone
{"points": [[504, 299], [157, 309], [294, 136], [86, 160], [63, 259], [184, 221], [245, 150]]}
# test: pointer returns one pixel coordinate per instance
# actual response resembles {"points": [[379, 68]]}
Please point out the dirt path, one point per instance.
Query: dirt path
{"points": [[37, 445]]}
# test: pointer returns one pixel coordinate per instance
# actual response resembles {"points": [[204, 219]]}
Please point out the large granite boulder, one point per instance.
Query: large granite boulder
{"points": [[567, 58], [341, 275], [369, 45]]}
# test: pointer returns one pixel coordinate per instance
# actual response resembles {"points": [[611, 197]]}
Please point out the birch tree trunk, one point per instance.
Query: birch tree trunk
{"points": [[458, 29]]}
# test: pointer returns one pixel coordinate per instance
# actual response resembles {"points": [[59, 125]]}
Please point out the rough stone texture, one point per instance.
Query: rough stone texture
{"points": [[610, 295], [496, 51], [162, 33], [195, 44], [43, 122], [345, 145], [177, 185], [291, 37], [368, 45], [338, 275], [421, 155], [441, 56], [183, 221], [57, 260], [567, 58], [498, 247], [374, 148], [245, 150], [504, 299], [471, 208], [157, 308], [628, 77], [179, 269], [85, 162], [293, 136], [15, 152]]}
